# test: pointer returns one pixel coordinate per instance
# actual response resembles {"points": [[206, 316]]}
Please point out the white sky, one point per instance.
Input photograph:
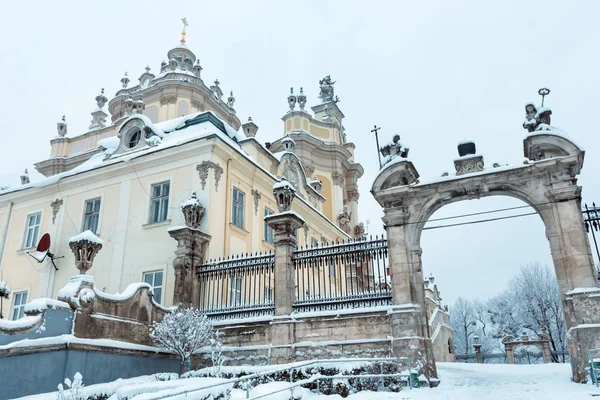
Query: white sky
{"points": [[435, 72]]}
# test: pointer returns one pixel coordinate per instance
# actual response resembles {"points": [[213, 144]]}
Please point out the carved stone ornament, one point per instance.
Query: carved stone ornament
{"points": [[344, 219], [284, 193], [192, 211], [256, 195], [85, 246], [197, 105], [168, 100], [338, 178], [203, 169], [468, 165], [55, 207], [306, 228], [353, 195], [308, 168]]}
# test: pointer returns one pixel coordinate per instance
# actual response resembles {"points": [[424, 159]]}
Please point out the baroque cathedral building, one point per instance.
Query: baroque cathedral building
{"points": [[157, 142]]}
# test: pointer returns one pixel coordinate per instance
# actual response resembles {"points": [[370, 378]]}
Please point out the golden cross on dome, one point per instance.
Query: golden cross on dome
{"points": [[184, 20]]}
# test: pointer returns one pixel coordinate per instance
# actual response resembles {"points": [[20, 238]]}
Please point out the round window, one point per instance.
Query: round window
{"points": [[134, 139]]}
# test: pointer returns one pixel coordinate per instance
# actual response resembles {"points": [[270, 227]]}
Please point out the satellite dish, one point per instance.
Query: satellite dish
{"points": [[43, 250]]}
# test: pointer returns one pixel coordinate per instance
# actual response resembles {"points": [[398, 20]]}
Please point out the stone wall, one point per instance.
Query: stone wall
{"points": [[442, 336], [29, 371], [343, 333]]}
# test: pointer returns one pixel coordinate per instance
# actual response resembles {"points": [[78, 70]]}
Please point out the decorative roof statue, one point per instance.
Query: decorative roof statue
{"points": [[292, 99], [326, 94], [344, 219], [393, 150], [538, 119]]}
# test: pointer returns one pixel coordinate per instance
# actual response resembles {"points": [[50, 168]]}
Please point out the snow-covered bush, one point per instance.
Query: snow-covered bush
{"points": [[74, 389], [182, 332], [217, 354]]}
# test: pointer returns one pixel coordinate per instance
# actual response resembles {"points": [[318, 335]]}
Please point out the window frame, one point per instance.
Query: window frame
{"points": [[19, 308], [27, 227], [94, 199], [268, 232], [241, 212], [153, 284], [235, 295], [160, 183]]}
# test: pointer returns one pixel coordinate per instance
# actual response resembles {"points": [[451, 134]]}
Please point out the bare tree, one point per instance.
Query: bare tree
{"points": [[182, 332], [532, 301], [463, 323]]}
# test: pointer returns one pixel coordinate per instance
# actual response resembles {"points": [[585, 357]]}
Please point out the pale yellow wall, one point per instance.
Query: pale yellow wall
{"points": [[326, 191], [131, 246]]}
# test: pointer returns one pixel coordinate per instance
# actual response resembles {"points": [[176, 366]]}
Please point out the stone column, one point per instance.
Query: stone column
{"points": [[284, 225], [191, 245], [285, 243], [510, 355], [546, 352], [408, 318], [569, 242], [477, 347], [188, 257], [575, 273]]}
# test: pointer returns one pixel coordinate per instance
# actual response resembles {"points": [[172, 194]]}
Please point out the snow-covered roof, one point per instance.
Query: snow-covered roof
{"points": [[176, 132]]}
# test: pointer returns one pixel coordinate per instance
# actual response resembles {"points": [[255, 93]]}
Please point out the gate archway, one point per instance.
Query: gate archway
{"points": [[547, 182]]}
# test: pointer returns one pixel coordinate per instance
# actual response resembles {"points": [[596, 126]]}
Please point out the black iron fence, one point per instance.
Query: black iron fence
{"points": [[521, 357], [342, 275], [239, 287], [591, 218]]}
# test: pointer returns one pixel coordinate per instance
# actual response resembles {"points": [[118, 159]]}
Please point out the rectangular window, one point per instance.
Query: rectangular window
{"points": [[91, 215], [20, 299], [155, 279], [160, 202], [314, 242], [332, 269], [268, 294], [268, 230], [237, 211], [33, 230], [235, 290]]}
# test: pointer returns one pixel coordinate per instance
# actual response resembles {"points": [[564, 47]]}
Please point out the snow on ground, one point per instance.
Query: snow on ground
{"points": [[458, 382], [495, 382]]}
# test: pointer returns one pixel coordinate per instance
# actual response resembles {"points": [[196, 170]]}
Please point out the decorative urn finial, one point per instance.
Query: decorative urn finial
{"points": [[230, 100], [101, 99], [292, 99], [61, 127], [85, 246], [284, 193], [192, 211], [301, 99], [125, 81]]}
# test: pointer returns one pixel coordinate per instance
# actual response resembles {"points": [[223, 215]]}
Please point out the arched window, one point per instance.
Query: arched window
{"points": [[450, 347], [134, 139]]}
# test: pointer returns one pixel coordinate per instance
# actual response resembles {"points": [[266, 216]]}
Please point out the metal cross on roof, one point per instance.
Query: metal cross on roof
{"points": [[376, 130], [543, 92]]}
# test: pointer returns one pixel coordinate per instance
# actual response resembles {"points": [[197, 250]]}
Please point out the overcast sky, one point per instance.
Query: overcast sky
{"points": [[434, 72]]}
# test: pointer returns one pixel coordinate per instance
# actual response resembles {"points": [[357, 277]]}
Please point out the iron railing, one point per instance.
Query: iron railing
{"points": [[591, 218], [594, 372], [239, 287], [247, 382], [343, 275]]}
